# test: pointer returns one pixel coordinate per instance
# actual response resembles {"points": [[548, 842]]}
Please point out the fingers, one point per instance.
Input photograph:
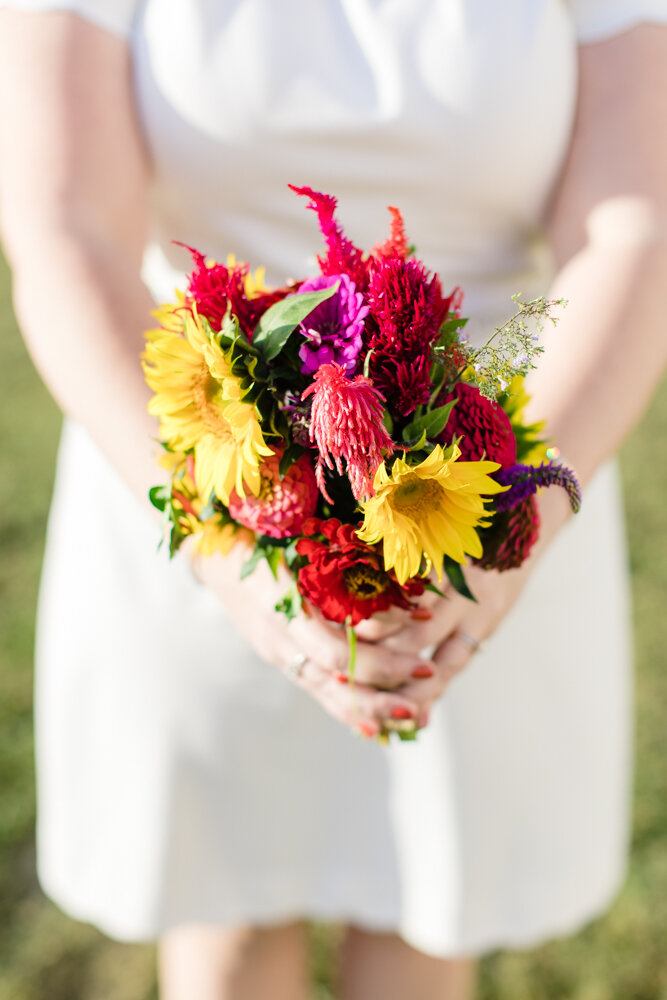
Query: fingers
{"points": [[357, 705], [420, 634]]}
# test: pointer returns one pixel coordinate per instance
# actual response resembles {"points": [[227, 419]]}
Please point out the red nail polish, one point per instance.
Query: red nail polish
{"points": [[342, 678], [366, 730], [401, 713], [423, 670], [421, 615]]}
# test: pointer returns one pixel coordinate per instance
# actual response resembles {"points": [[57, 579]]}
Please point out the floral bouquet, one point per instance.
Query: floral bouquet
{"points": [[344, 426]]}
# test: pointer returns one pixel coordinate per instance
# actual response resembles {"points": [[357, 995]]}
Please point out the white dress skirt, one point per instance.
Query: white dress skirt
{"points": [[180, 778]]}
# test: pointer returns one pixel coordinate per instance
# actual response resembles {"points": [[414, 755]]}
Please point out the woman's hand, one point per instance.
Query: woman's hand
{"points": [[454, 627], [312, 652], [454, 630]]}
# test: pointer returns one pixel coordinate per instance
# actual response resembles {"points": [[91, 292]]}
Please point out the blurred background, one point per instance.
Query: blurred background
{"points": [[45, 954]]}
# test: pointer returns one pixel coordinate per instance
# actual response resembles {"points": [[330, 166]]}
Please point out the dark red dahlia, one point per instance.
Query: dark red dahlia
{"points": [[482, 425], [345, 578], [509, 540], [406, 311], [214, 287]]}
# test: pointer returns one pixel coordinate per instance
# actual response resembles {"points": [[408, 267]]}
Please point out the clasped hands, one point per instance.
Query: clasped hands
{"points": [[393, 678]]}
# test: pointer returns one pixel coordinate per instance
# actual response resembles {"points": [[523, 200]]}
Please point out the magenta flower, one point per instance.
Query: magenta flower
{"points": [[333, 329]]}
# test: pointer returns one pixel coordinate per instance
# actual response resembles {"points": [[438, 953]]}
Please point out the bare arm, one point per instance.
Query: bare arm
{"points": [[608, 232], [73, 180]]}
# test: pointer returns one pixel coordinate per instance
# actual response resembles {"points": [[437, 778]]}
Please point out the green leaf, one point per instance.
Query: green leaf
{"points": [[455, 576], [449, 331], [407, 735], [280, 321], [274, 557], [388, 423], [160, 496], [290, 456], [251, 564], [367, 363], [291, 603], [431, 424]]}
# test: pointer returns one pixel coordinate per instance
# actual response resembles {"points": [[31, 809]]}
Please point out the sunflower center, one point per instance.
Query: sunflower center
{"points": [[364, 582], [416, 496], [206, 396]]}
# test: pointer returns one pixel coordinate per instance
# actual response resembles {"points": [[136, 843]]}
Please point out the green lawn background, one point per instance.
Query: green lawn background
{"points": [[43, 954]]}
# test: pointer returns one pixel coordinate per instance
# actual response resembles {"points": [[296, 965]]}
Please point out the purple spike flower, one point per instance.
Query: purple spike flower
{"points": [[524, 480], [332, 331]]}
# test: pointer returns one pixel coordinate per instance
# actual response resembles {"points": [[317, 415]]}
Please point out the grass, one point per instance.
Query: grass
{"points": [[44, 953]]}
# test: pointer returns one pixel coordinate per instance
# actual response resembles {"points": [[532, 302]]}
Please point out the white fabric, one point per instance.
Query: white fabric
{"points": [[598, 19], [116, 16], [180, 778]]}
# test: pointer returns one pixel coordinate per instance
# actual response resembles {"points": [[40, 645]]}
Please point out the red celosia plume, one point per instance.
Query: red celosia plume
{"points": [[214, 287], [342, 256]]}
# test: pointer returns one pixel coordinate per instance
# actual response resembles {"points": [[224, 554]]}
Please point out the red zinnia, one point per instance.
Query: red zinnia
{"points": [[483, 426], [346, 423], [345, 578]]}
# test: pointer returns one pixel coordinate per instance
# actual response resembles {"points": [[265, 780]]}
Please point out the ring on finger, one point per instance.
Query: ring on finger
{"points": [[470, 640], [295, 667]]}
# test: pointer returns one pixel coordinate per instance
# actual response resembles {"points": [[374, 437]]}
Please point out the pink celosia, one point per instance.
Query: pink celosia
{"points": [[346, 423], [283, 505], [342, 256]]}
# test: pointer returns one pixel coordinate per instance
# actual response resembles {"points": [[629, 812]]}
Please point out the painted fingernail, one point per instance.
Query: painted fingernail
{"points": [[401, 713], [421, 615], [342, 678], [423, 670], [367, 730]]}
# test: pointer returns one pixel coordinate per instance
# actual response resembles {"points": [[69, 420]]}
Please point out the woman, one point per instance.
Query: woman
{"points": [[186, 788]]}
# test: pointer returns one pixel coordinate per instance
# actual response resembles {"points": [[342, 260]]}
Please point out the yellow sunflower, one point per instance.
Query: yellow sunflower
{"points": [[200, 404], [431, 510]]}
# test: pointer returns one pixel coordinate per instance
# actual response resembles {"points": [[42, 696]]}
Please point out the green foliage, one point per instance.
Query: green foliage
{"points": [[455, 575], [430, 425], [280, 321]]}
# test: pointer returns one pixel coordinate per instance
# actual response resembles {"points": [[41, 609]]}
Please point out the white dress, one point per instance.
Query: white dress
{"points": [[180, 778]]}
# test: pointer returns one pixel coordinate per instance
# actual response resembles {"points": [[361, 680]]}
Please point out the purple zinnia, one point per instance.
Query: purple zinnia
{"points": [[332, 331]]}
